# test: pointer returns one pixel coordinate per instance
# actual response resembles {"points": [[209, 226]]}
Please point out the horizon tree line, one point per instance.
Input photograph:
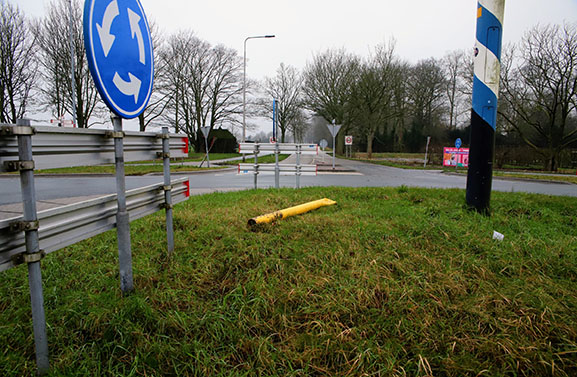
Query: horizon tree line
{"points": [[382, 100]]}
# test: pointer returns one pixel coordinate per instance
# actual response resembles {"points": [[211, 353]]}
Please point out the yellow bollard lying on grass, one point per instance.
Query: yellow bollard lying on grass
{"points": [[292, 211]]}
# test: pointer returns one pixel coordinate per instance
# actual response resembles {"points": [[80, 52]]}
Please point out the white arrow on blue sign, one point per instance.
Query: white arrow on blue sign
{"points": [[458, 143], [119, 51]]}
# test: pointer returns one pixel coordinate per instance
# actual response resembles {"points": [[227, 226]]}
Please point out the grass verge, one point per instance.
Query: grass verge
{"points": [[569, 176], [546, 177], [390, 281], [128, 169], [268, 159]]}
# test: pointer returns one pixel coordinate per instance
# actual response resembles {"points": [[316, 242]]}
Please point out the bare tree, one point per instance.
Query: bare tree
{"points": [[328, 81], [174, 58], [373, 94], [458, 78], [426, 91], [18, 65], [159, 99], [401, 104], [286, 89], [299, 126], [206, 84], [53, 39], [542, 90]]}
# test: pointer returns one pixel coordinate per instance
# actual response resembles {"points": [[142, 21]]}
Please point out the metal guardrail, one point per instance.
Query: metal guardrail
{"points": [[284, 169], [24, 149], [64, 226], [250, 148], [54, 147]]}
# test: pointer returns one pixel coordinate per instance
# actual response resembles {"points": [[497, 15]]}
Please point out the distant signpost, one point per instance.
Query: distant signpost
{"points": [[349, 145], [334, 130]]}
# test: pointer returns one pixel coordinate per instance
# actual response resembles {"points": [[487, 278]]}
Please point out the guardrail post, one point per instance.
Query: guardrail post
{"points": [[122, 219], [167, 190], [33, 252], [255, 165], [298, 166], [276, 169]]}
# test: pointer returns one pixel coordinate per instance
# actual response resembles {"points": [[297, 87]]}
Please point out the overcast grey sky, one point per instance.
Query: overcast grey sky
{"points": [[422, 28]]}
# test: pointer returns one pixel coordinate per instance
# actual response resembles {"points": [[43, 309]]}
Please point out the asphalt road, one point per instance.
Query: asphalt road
{"points": [[358, 175]]}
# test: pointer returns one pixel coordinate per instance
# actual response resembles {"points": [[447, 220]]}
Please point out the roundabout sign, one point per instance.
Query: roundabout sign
{"points": [[119, 50]]}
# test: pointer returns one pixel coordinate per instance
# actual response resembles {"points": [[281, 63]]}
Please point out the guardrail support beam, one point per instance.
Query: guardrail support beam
{"points": [[33, 248], [167, 193]]}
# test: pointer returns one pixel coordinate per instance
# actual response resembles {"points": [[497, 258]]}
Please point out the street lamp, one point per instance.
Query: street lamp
{"points": [[244, 85]]}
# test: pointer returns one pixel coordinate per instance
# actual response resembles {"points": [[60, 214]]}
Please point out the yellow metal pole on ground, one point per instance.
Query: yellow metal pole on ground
{"points": [[292, 211]]}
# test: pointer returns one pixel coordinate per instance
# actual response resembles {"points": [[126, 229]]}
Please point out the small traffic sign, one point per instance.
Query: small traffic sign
{"points": [[458, 143], [323, 143], [119, 51], [334, 129], [348, 140], [205, 131]]}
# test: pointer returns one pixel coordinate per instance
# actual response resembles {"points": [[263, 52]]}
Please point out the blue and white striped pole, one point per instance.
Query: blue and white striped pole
{"points": [[485, 95]]}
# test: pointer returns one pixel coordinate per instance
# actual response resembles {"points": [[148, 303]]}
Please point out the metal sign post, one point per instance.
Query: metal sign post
{"points": [[427, 151], [298, 173], [122, 218], [121, 61], [255, 166], [334, 129], [276, 167], [206, 131], [323, 144], [167, 190]]}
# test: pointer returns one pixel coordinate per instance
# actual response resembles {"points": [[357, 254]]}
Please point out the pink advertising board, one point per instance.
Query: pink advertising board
{"points": [[456, 157]]}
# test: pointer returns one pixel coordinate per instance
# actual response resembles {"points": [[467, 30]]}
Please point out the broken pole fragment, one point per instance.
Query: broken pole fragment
{"points": [[292, 211]]}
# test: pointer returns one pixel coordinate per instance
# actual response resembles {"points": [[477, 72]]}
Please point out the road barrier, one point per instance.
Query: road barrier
{"points": [[28, 238], [277, 148], [55, 147], [252, 148], [63, 226], [292, 169]]}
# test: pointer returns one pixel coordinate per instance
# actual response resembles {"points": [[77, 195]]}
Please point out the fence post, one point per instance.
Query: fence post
{"points": [[122, 219], [276, 168], [167, 189], [255, 165], [33, 252], [298, 166]]}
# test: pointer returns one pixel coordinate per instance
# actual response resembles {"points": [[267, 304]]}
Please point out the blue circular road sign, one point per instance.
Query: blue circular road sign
{"points": [[119, 51], [458, 143]]}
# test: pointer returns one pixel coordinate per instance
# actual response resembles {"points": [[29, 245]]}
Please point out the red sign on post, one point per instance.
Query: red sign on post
{"points": [[456, 157]]}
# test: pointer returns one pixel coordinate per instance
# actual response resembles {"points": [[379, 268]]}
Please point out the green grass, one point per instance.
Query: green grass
{"points": [[268, 159], [192, 156], [565, 175], [556, 177], [128, 169], [363, 156], [390, 282]]}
